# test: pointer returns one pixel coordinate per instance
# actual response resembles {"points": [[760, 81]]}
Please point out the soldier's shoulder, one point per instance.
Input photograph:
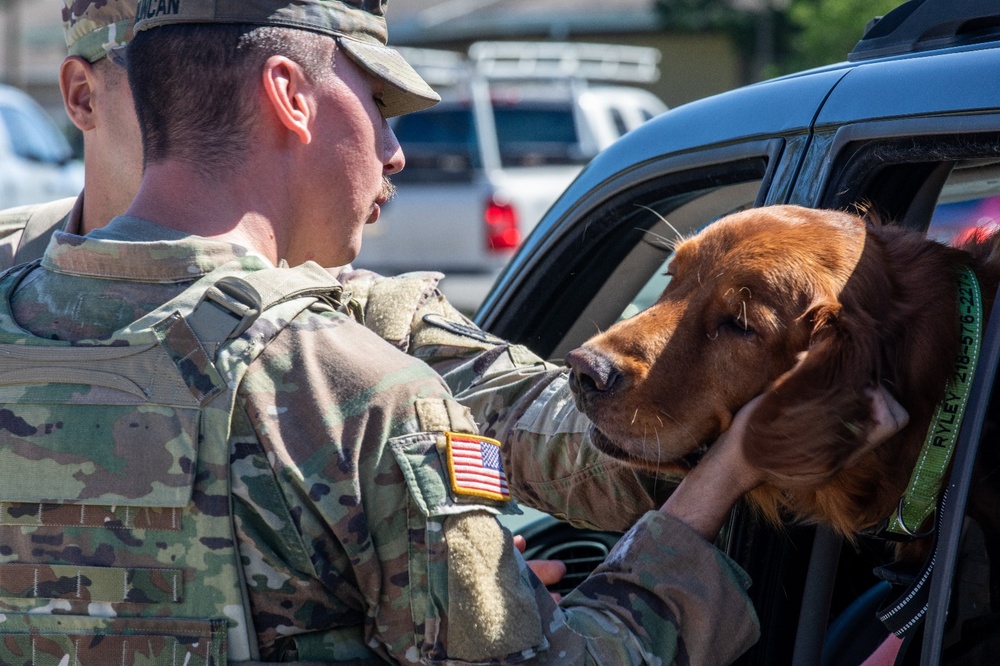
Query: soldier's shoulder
{"points": [[14, 218]]}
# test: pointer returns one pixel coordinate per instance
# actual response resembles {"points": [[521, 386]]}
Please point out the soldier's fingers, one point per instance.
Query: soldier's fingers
{"points": [[890, 417], [549, 572]]}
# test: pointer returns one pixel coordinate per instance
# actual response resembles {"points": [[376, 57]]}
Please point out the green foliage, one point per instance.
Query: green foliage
{"points": [[825, 31], [809, 33]]}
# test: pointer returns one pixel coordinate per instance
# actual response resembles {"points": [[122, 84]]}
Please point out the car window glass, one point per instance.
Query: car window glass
{"points": [[531, 135], [969, 200], [692, 215], [440, 145], [32, 137], [619, 122]]}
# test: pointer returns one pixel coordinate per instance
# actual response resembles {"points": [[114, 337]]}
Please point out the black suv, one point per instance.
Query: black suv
{"points": [[908, 126]]}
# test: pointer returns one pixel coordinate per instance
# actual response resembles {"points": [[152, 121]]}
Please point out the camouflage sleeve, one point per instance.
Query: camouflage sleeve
{"points": [[356, 542], [31, 225], [515, 397], [12, 222], [663, 595]]}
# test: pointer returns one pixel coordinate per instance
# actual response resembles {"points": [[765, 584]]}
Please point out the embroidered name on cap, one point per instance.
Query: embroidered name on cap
{"points": [[151, 8], [475, 467]]}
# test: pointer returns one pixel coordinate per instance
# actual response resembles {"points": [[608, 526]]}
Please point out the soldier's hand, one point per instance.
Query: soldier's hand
{"points": [[708, 492], [549, 572]]}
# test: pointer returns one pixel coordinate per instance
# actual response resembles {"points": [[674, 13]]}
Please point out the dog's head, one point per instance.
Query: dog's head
{"points": [[786, 301]]}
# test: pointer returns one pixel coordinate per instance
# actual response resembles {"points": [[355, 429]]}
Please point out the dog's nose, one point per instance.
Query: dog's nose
{"points": [[592, 372]]}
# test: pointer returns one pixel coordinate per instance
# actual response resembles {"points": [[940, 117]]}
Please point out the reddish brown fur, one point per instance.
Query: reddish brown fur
{"points": [[834, 305]]}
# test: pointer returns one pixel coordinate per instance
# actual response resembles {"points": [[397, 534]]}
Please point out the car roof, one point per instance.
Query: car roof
{"points": [[833, 95]]}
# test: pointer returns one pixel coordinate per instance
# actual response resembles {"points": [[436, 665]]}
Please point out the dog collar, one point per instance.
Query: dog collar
{"points": [[921, 496]]}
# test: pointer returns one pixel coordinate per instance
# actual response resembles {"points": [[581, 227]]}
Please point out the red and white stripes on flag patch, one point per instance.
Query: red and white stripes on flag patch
{"points": [[475, 467]]}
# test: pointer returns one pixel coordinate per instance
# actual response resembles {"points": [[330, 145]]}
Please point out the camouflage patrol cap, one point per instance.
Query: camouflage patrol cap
{"points": [[94, 27], [357, 25]]}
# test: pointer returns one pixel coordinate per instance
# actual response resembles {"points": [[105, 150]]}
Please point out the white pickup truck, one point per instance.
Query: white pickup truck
{"points": [[517, 123], [36, 162]]}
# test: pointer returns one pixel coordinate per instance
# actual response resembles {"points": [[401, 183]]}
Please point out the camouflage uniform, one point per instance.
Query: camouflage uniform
{"points": [[353, 540], [25, 230], [515, 397]]}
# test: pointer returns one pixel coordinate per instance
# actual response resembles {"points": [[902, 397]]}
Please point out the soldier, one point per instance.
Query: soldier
{"points": [[363, 500], [98, 101]]}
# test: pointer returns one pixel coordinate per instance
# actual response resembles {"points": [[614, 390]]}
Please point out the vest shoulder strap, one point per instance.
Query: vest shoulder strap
{"points": [[233, 303]]}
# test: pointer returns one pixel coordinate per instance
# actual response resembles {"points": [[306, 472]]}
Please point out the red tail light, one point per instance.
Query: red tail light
{"points": [[502, 231]]}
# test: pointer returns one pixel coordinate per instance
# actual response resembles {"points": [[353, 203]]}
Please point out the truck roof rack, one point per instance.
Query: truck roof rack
{"points": [[566, 60], [536, 61], [437, 66], [922, 25]]}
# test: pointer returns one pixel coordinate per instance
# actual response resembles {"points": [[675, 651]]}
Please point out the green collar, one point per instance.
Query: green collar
{"points": [[920, 498]]}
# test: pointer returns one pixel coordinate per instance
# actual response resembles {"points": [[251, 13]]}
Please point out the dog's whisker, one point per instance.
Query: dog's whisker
{"points": [[635, 415], [658, 241], [659, 450], [749, 293], [644, 442], [686, 430], [680, 236]]}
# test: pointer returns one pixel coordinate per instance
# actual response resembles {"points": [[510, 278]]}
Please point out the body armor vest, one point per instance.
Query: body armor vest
{"points": [[116, 538]]}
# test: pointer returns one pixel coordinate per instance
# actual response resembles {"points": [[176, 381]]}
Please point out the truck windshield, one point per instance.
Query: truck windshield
{"points": [[537, 135], [440, 143]]}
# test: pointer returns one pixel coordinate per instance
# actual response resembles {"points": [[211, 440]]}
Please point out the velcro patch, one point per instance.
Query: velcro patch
{"points": [[464, 330], [475, 467]]}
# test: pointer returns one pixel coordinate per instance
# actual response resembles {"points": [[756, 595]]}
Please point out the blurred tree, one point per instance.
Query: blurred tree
{"points": [[825, 31], [758, 29], [778, 36], [12, 42]]}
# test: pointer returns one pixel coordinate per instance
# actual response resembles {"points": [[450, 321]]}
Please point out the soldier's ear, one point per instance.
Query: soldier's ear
{"points": [[76, 81], [287, 89]]}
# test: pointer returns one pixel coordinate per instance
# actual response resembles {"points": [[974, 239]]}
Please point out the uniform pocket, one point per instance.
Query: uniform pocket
{"points": [[56, 640], [97, 454]]}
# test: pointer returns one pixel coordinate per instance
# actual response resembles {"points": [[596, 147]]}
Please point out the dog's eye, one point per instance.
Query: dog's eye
{"points": [[735, 326]]}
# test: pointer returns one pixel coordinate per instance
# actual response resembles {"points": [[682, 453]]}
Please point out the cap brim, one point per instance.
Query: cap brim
{"points": [[119, 55], [407, 91]]}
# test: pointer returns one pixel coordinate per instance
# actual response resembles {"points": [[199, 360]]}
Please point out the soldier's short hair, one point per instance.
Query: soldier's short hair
{"points": [[358, 26], [195, 87]]}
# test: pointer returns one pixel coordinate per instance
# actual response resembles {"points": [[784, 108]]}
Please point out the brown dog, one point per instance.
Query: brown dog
{"points": [[811, 307]]}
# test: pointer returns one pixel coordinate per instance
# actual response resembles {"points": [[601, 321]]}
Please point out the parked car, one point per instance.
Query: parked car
{"points": [[908, 126], [517, 123], [36, 162]]}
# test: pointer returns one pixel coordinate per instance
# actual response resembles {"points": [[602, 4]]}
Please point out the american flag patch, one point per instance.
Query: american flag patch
{"points": [[475, 467]]}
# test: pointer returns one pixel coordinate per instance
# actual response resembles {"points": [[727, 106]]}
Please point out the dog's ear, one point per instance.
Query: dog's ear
{"points": [[814, 420]]}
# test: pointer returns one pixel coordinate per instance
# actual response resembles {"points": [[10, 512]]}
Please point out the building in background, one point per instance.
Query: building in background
{"points": [[32, 47], [693, 64]]}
